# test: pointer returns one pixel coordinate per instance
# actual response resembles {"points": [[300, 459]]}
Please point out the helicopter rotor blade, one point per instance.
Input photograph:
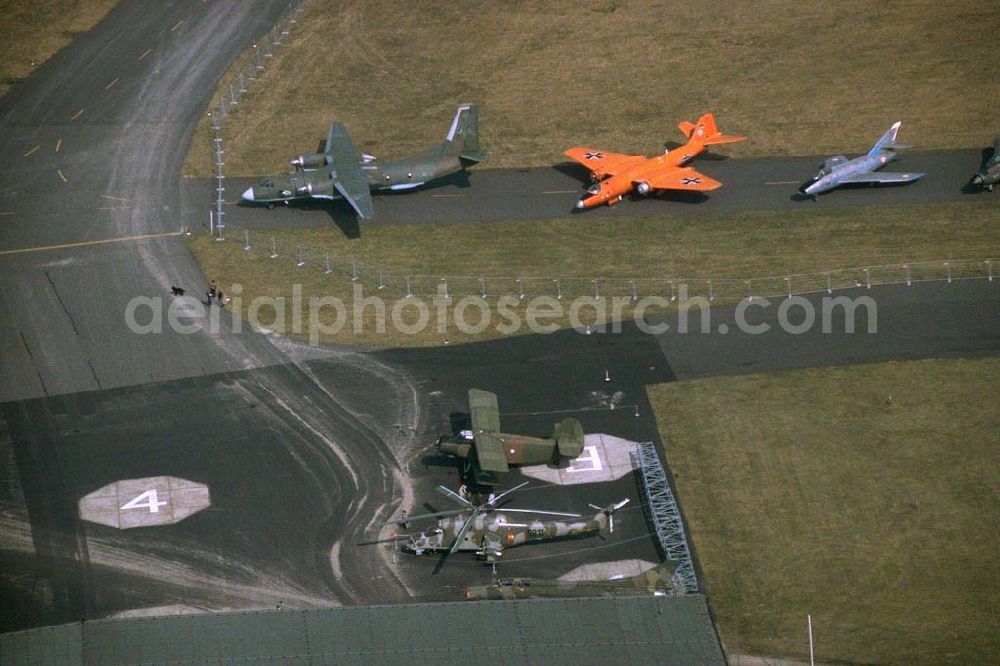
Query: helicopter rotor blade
{"points": [[508, 492], [422, 516], [621, 504], [462, 532], [451, 494], [545, 513]]}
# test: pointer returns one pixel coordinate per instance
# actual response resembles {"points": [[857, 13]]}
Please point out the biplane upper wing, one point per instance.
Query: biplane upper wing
{"points": [[485, 425], [603, 163], [484, 411], [490, 452], [683, 179]]}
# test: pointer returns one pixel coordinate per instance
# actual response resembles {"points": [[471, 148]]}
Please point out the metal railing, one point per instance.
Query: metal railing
{"points": [[262, 244], [666, 516], [229, 96]]}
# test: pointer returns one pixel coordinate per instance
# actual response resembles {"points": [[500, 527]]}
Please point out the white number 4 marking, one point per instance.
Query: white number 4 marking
{"points": [[148, 499]]}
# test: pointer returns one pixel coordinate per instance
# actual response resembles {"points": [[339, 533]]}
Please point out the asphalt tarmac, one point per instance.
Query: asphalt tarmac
{"points": [[495, 195], [304, 451]]}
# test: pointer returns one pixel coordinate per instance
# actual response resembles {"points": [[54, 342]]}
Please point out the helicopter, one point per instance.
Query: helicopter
{"points": [[487, 530]]}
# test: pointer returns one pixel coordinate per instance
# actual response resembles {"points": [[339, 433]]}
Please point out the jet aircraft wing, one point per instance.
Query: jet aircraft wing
{"points": [[683, 179], [882, 177], [347, 175], [603, 163]]}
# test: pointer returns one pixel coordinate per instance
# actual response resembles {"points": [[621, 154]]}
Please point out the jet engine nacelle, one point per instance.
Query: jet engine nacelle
{"points": [[313, 161], [316, 189], [642, 188]]}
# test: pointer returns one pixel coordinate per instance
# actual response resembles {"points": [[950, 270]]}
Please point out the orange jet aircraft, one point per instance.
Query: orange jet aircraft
{"points": [[616, 174]]}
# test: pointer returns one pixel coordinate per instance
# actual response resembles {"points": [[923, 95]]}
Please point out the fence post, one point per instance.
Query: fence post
{"points": [[274, 248], [749, 291], [868, 278], [829, 289], [409, 293], [711, 292], [301, 261], [788, 281], [354, 271], [381, 281], [907, 267], [947, 265], [634, 296], [520, 289], [597, 289], [989, 270], [558, 290], [445, 280], [328, 269], [673, 292], [482, 285]]}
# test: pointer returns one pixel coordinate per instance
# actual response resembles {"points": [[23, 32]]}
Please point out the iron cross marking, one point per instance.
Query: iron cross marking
{"points": [[690, 181], [593, 156]]}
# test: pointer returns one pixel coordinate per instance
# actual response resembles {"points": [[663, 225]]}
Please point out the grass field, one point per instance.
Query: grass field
{"points": [[864, 495], [689, 246], [34, 31], [796, 78]]}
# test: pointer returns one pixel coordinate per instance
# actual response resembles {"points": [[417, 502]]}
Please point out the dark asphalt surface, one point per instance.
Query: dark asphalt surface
{"points": [[492, 195], [303, 450]]}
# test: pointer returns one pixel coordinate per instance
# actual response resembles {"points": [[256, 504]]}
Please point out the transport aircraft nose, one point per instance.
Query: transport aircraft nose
{"points": [[248, 194]]}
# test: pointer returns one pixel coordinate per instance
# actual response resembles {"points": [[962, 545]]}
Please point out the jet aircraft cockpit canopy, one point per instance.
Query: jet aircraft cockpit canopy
{"points": [[594, 189]]}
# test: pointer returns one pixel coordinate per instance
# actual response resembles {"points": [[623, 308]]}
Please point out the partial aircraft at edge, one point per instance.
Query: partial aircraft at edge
{"points": [[340, 171], [616, 174], [989, 175], [839, 170]]}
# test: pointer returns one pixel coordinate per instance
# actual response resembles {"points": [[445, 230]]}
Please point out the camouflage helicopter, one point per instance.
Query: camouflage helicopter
{"points": [[487, 530], [657, 581]]}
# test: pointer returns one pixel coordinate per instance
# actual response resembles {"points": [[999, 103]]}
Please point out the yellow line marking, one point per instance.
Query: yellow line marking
{"points": [[108, 196], [177, 25], [145, 53], [93, 242], [559, 191], [113, 207], [58, 145], [32, 150], [112, 84], [76, 115], [783, 182], [64, 179]]}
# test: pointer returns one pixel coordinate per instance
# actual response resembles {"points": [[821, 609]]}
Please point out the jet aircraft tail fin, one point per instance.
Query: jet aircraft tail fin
{"points": [[463, 136], [706, 132], [887, 140]]}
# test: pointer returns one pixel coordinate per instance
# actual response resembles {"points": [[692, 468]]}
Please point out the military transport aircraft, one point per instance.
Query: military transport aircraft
{"points": [[839, 170], [487, 452], [340, 171], [989, 175], [616, 174], [656, 581], [487, 529]]}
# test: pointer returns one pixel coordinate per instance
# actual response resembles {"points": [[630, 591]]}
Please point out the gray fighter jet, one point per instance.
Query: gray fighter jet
{"points": [[839, 170], [989, 175], [340, 171]]}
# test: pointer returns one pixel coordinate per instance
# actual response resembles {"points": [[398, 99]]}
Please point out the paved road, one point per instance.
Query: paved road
{"points": [[546, 193], [90, 149]]}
